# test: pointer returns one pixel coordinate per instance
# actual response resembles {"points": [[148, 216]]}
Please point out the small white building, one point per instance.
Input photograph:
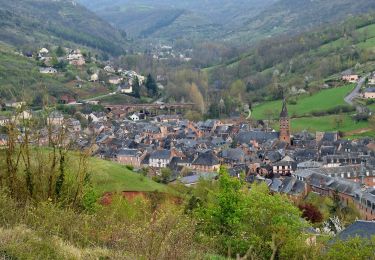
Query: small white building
{"points": [[127, 89], [48, 70], [134, 117], [43, 51], [115, 80], [369, 93], [94, 77]]}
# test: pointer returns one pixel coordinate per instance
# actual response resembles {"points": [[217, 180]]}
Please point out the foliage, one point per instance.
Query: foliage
{"points": [[151, 86], [253, 222], [67, 22], [311, 213], [354, 249]]}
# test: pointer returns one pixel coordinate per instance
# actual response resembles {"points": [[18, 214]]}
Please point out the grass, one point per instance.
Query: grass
{"points": [[112, 177], [327, 123], [323, 100]]}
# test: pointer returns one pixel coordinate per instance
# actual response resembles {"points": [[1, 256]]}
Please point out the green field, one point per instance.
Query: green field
{"points": [[323, 100], [327, 123], [112, 177]]}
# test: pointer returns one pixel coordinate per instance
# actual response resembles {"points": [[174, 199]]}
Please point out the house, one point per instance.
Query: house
{"points": [[360, 228], [109, 69], [67, 99], [43, 51], [127, 89], [160, 158], [349, 76], [73, 125], [4, 120], [192, 180], [131, 157], [285, 167], [206, 162], [115, 80], [55, 118], [371, 79], [24, 115], [94, 77], [15, 104], [48, 70], [369, 93], [134, 117], [3, 140], [78, 62]]}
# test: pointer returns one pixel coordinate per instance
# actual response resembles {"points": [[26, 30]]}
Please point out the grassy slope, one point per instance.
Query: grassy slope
{"points": [[20, 75], [113, 177], [23, 24], [323, 100]]}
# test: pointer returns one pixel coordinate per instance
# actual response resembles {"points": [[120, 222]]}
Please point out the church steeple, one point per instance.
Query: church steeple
{"points": [[284, 124], [284, 110]]}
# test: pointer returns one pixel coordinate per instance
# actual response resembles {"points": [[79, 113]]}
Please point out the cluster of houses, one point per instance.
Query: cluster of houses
{"points": [[123, 79], [74, 57], [293, 165], [166, 52], [369, 91]]}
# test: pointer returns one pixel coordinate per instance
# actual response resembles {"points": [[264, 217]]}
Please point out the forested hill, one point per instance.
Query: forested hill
{"points": [[297, 15], [304, 61], [168, 19], [35, 22]]}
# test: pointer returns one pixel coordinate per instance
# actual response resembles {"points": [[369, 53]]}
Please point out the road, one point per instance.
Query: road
{"points": [[355, 93]]}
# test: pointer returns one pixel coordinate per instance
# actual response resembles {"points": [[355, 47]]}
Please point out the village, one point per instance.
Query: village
{"points": [[170, 149]]}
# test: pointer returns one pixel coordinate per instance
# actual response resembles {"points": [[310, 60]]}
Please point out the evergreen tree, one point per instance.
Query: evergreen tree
{"points": [[151, 86], [60, 52], [136, 88]]}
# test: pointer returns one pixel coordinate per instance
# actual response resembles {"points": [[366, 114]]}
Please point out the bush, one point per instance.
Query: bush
{"points": [[129, 167]]}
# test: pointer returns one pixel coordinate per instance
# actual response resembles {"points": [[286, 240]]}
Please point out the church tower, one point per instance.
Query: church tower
{"points": [[284, 124]]}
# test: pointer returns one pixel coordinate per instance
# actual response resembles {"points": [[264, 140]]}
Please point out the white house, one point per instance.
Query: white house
{"points": [[134, 117], [127, 89], [48, 70], [115, 80], [94, 77], [43, 51]]}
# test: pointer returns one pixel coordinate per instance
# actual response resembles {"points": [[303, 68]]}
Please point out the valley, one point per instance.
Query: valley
{"points": [[201, 129]]}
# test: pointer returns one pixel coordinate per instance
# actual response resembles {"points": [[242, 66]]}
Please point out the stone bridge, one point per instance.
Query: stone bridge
{"points": [[151, 108]]}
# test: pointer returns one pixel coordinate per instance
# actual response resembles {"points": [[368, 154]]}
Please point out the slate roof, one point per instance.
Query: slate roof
{"points": [[195, 178], [259, 136], [128, 152], [361, 228], [207, 158], [370, 90], [160, 154], [233, 154]]}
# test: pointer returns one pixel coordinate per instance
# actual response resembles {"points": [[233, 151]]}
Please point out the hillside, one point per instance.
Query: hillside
{"points": [[168, 19], [299, 15], [20, 78], [27, 23], [112, 177], [306, 61]]}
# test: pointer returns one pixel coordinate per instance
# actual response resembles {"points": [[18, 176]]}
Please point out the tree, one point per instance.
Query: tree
{"points": [[197, 97], [60, 52], [136, 88], [151, 86], [238, 90], [352, 249], [256, 223], [311, 213]]}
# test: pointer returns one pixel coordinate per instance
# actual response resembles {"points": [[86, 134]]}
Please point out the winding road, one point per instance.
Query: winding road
{"points": [[355, 93]]}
